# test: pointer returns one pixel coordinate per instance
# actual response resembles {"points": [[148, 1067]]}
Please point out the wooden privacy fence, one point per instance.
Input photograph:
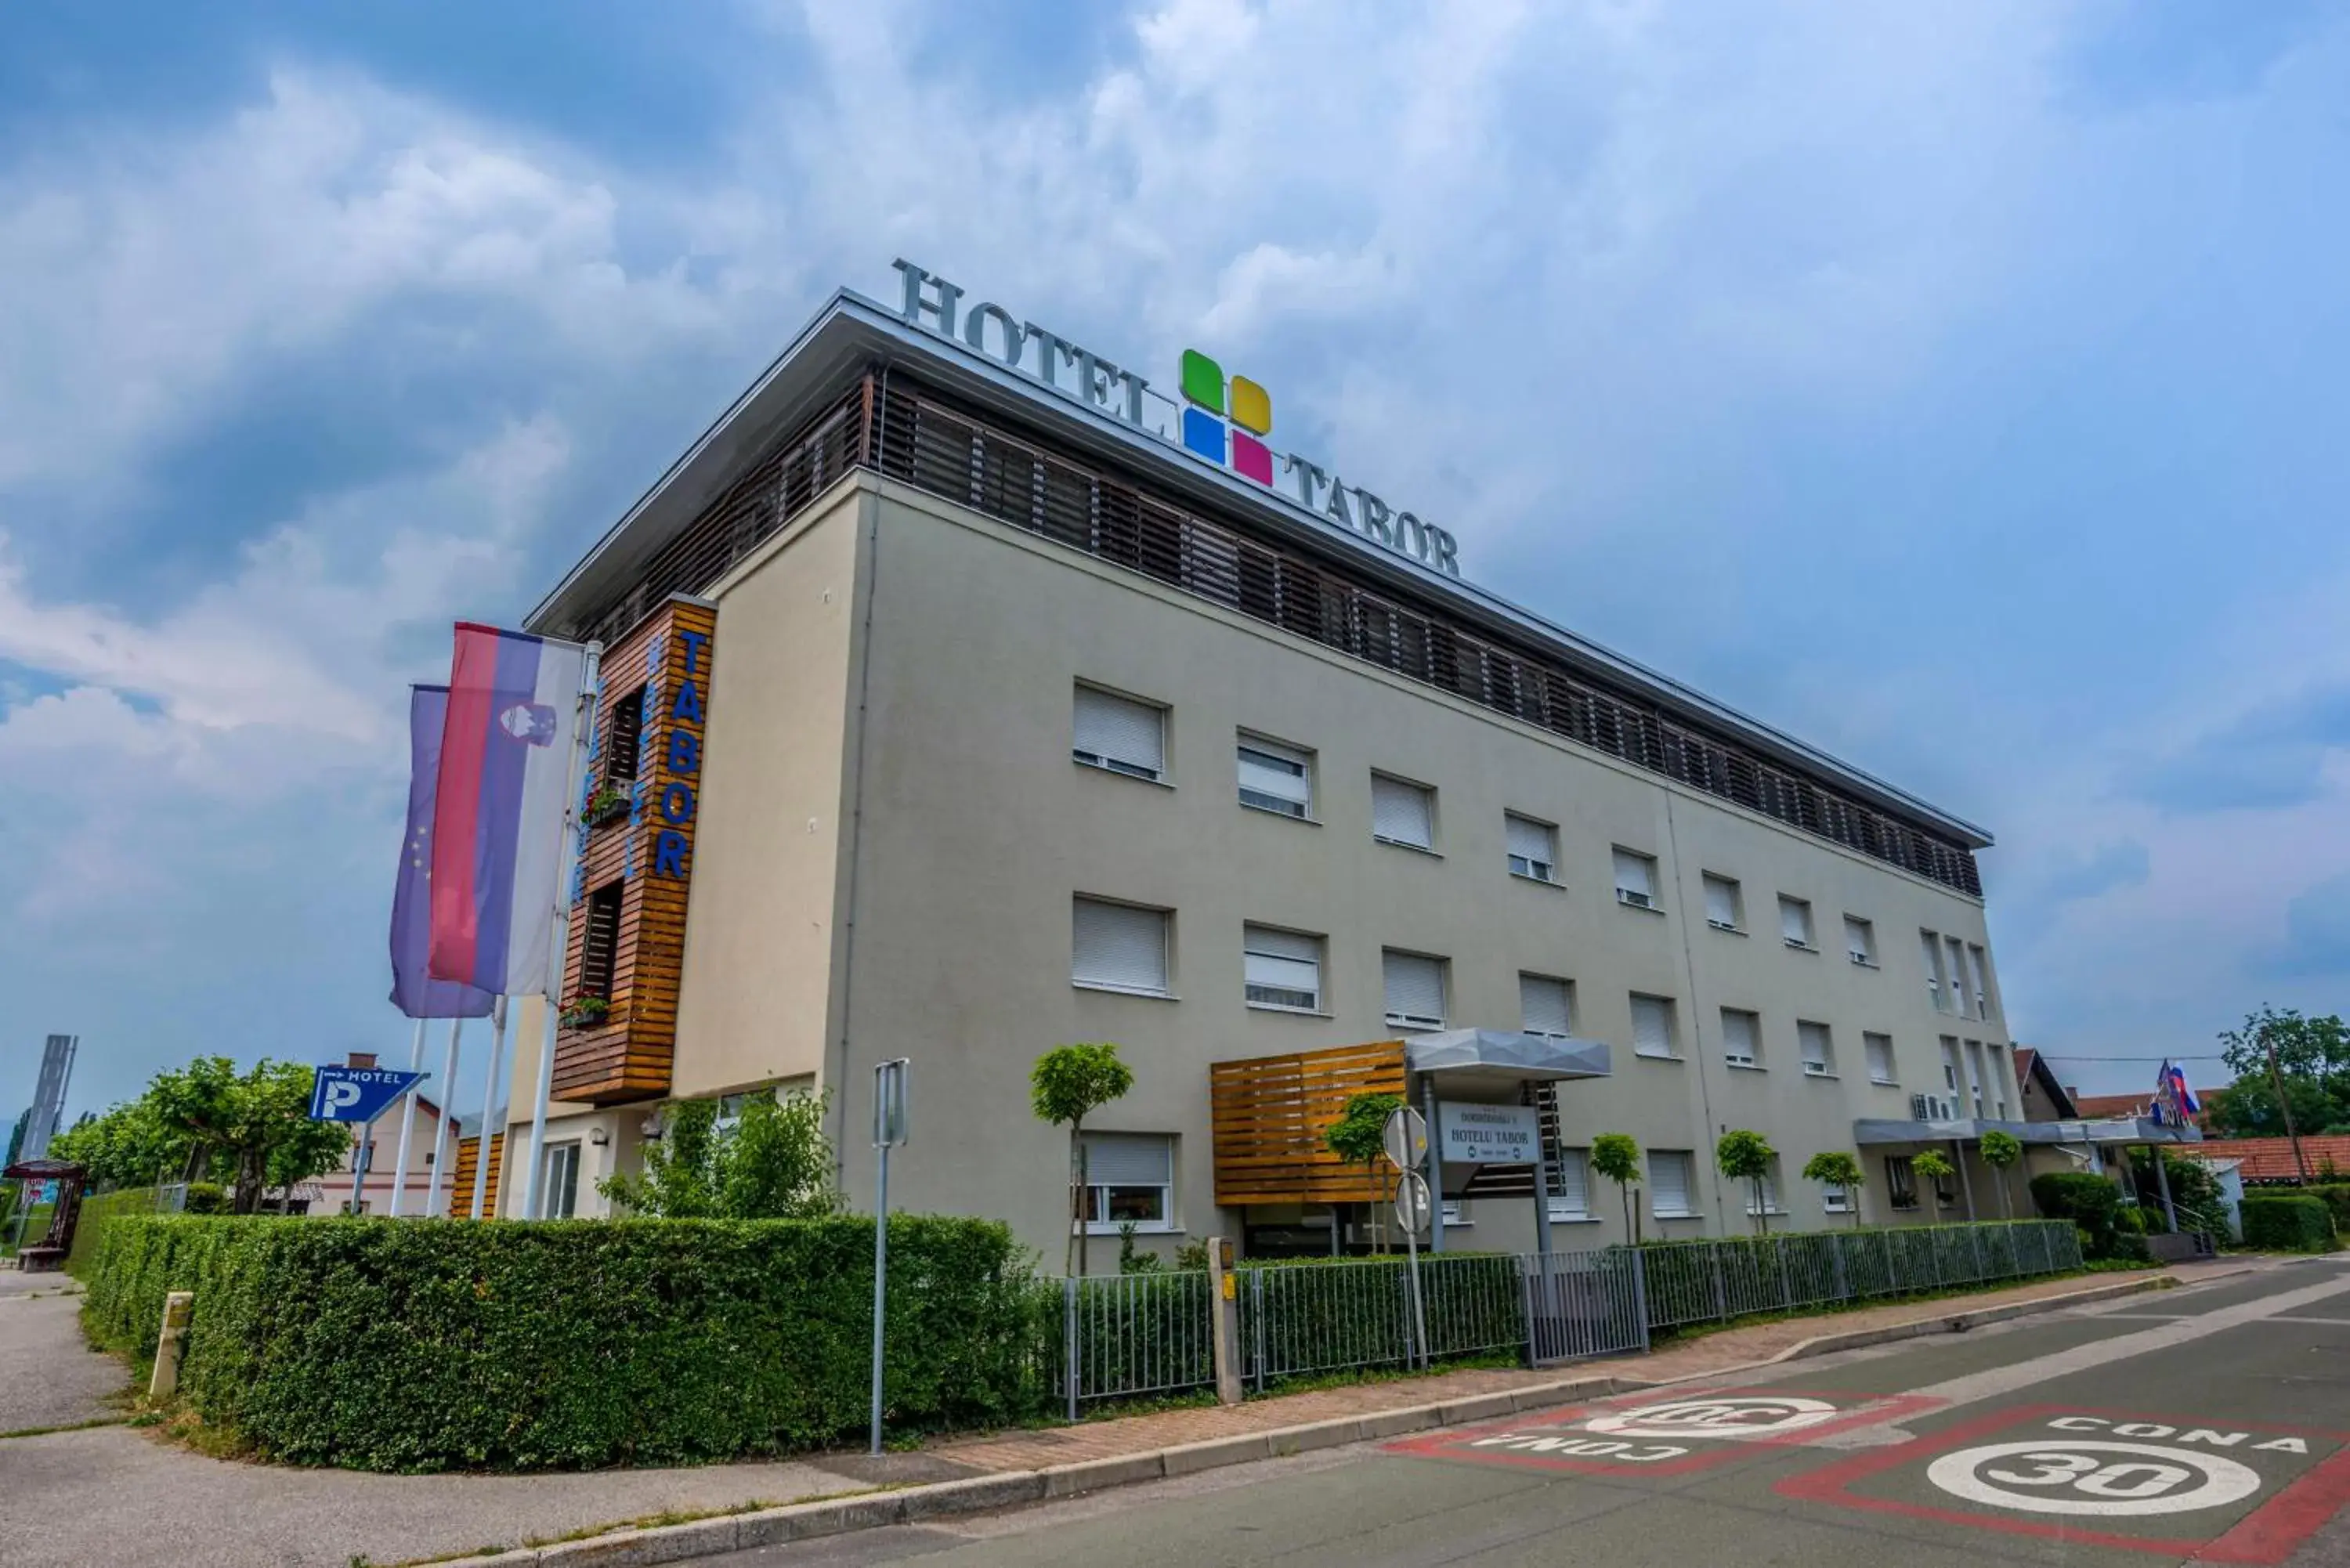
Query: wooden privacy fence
{"points": [[1268, 1115]]}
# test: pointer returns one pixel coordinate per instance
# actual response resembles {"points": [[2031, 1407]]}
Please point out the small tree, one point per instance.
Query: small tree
{"points": [[1615, 1157], [772, 1163], [1358, 1138], [1744, 1156], [2000, 1151], [1068, 1083], [1834, 1167], [1934, 1165]]}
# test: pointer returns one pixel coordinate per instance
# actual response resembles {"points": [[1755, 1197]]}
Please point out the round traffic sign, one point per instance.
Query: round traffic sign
{"points": [[1412, 1202], [2074, 1477], [1717, 1416]]}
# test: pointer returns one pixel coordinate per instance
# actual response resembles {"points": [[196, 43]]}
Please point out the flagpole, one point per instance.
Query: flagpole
{"points": [[488, 1103], [440, 1124], [574, 780], [407, 1121]]}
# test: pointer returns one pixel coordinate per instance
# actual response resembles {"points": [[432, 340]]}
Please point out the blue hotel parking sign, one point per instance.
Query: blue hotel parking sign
{"points": [[357, 1094]]}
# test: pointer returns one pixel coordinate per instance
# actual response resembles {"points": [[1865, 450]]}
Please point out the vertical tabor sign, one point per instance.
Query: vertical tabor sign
{"points": [[642, 797]]}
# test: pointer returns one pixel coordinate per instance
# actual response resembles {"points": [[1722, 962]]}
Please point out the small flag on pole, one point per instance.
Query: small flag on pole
{"points": [[413, 990], [504, 785]]}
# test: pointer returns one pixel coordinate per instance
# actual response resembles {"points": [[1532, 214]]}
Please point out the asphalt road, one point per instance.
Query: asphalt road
{"points": [[2209, 1424]]}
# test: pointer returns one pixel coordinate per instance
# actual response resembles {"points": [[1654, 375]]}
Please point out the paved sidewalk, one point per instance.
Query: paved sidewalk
{"points": [[124, 1497]]}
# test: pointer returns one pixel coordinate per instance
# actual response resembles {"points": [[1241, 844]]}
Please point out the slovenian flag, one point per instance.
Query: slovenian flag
{"points": [[498, 813], [413, 990]]}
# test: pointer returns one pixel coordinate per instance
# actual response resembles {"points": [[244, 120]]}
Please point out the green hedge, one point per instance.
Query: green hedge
{"points": [[417, 1346], [2335, 1195], [2290, 1222], [96, 1213]]}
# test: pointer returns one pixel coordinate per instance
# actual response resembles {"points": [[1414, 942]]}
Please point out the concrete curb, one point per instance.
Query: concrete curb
{"points": [[865, 1511]]}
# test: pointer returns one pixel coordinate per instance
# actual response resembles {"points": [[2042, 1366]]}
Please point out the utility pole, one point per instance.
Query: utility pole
{"points": [[2276, 1078]]}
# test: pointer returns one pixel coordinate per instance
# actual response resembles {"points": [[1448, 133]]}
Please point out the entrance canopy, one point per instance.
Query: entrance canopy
{"points": [[2114, 1130], [1490, 1063]]}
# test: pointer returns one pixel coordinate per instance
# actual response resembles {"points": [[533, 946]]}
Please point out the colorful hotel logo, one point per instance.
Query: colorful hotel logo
{"points": [[1224, 421], [1210, 400]]}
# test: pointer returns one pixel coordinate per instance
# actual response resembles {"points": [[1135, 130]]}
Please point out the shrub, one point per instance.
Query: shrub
{"points": [[2288, 1222], [2091, 1202], [99, 1212], [418, 1347], [2335, 1195]]}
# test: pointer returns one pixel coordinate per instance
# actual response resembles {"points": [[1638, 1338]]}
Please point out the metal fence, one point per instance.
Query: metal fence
{"points": [[1712, 1280], [1131, 1335]]}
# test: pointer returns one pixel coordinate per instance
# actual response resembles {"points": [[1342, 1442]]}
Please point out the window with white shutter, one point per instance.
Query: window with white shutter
{"points": [[1860, 941], [1569, 1179], [1533, 847], [1978, 967], [1130, 1180], [1721, 903], [1652, 1026], [1402, 813], [1818, 1048], [1879, 1050], [1931, 945], [1671, 1194], [1276, 778], [1958, 973], [1284, 969], [1975, 1075], [2001, 1074], [1120, 734], [1836, 1199], [1636, 878], [1546, 1006], [1415, 990], [1794, 921], [1741, 1045], [1119, 948]]}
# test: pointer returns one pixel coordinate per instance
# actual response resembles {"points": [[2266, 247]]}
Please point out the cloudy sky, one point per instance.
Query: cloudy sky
{"points": [[1957, 386]]}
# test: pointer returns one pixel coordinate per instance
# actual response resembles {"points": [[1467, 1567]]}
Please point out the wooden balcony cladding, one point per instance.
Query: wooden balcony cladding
{"points": [[627, 940], [461, 1188], [1268, 1115]]}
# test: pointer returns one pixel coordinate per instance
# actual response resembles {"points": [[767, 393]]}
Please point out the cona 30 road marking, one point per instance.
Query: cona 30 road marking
{"points": [[2072, 1476], [1717, 1416]]}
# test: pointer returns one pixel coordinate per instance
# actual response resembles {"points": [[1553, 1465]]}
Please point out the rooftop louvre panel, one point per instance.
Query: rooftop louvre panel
{"points": [[891, 423]]}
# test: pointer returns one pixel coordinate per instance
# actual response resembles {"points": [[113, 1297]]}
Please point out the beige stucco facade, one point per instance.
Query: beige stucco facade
{"points": [[893, 830]]}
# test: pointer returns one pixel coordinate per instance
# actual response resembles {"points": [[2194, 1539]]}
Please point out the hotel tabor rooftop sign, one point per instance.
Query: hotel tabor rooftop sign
{"points": [[1222, 421]]}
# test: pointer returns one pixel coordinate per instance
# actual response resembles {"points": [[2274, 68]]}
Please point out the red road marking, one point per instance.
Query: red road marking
{"points": [[2266, 1536], [1456, 1444]]}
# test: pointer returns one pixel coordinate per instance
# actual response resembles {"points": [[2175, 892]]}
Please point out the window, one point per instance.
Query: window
{"points": [[1900, 1181], [1402, 813], [1120, 734], [1276, 778], [1669, 1187], [1946, 1193], [1818, 1048], [1950, 1065], [1975, 1074], [1284, 969], [1456, 1214], [561, 1183], [1932, 946], [1794, 921], [1769, 1201], [1635, 879], [2001, 1074], [626, 739], [1860, 941], [1533, 847], [1742, 1043], [1568, 1177], [1652, 1026], [1119, 948], [1415, 990], [1958, 973], [1879, 1048], [1546, 1006], [1835, 1199], [1130, 1180], [1721, 904], [600, 941], [1979, 965]]}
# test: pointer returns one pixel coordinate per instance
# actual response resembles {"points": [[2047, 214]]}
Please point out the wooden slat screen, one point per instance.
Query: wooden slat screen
{"points": [[891, 422], [461, 1185], [1268, 1115]]}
